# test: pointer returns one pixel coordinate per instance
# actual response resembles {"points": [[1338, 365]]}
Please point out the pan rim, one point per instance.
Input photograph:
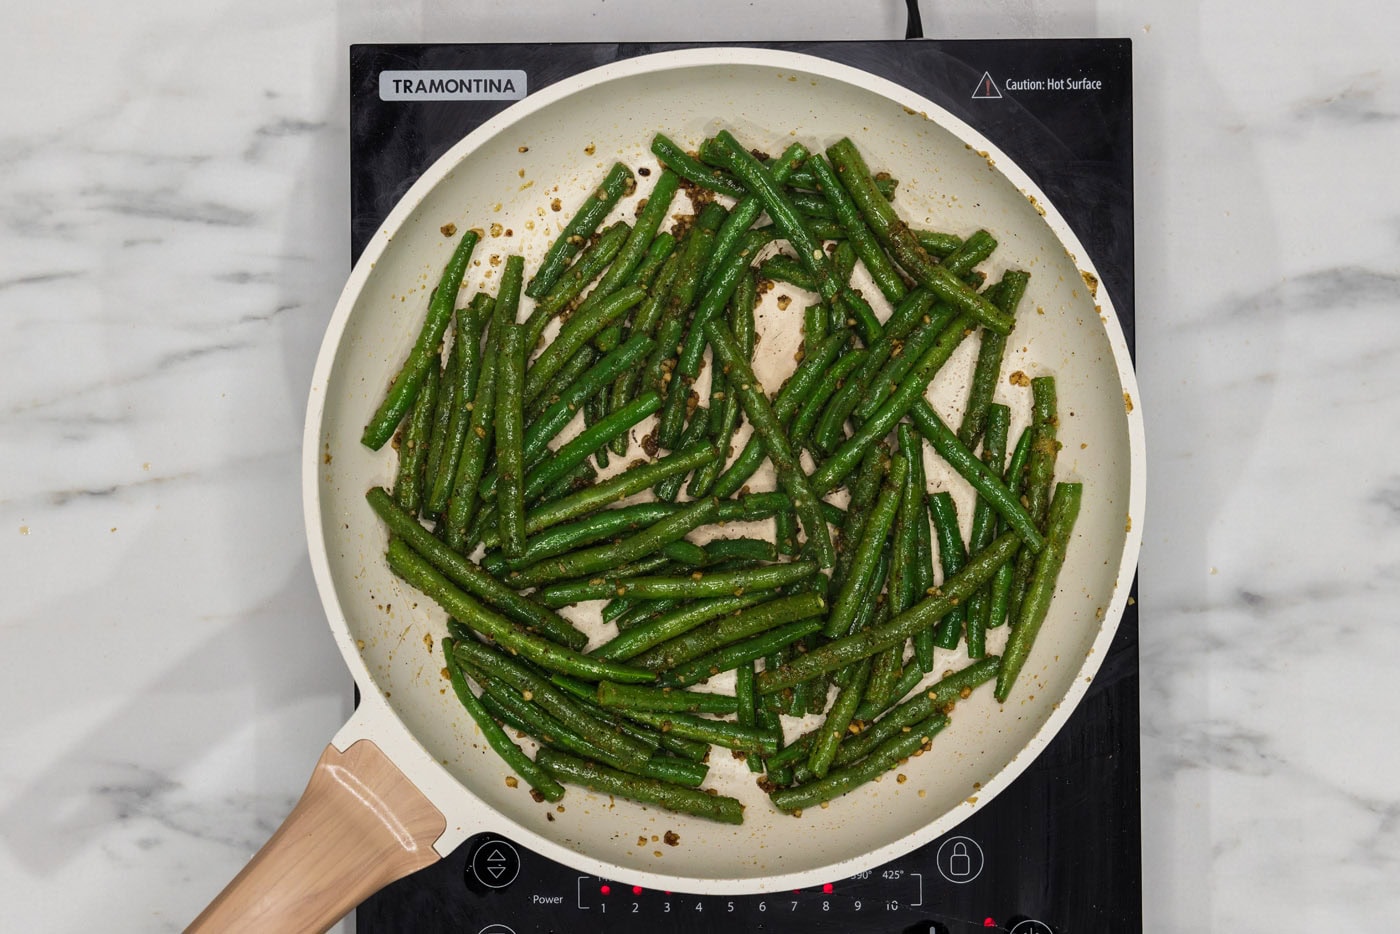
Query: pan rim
{"points": [[437, 783]]}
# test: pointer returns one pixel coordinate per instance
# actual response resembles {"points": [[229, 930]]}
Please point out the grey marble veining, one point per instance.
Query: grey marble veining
{"points": [[173, 208]]}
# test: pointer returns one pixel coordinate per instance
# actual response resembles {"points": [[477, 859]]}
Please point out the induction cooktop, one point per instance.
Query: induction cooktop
{"points": [[1057, 852]]}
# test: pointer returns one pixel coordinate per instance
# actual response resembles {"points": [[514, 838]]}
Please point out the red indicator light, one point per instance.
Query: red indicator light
{"points": [[636, 890], [606, 889], [826, 888], [989, 923], [668, 892]]}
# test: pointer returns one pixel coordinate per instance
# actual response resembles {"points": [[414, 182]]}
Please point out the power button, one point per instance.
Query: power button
{"points": [[1031, 926]]}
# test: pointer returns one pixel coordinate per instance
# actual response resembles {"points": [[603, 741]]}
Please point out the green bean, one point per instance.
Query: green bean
{"points": [[917, 310], [717, 295], [413, 448], [695, 433], [803, 380], [661, 248], [437, 433], [601, 779], [919, 547], [725, 733], [461, 506], [966, 464], [977, 247], [882, 271], [696, 585], [595, 409], [883, 758], [833, 729], [405, 386], [938, 697], [806, 177], [1064, 509], [645, 322], [851, 648], [586, 442], [810, 204], [581, 477], [669, 625], [694, 171], [630, 697], [595, 207], [749, 207], [725, 629], [558, 704], [984, 523], [765, 422], [834, 379], [739, 653], [887, 380], [895, 234], [785, 531], [545, 729], [952, 555], [1040, 467], [814, 325], [510, 457], [887, 666], [465, 574], [910, 391], [918, 307], [999, 605], [725, 418], [907, 682], [596, 257], [629, 614], [466, 347], [987, 371], [761, 182], [637, 248], [560, 382], [577, 332], [938, 243], [610, 522], [587, 695], [872, 543], [784, 268], [611, 490], [496, 738], [864, 492], [611, 555], [699, 247], [684, 552], [417, 571], [593, 380]]}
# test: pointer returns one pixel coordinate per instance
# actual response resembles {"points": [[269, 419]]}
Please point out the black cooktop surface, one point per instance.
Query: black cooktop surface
{"points": [[1059, 851]]}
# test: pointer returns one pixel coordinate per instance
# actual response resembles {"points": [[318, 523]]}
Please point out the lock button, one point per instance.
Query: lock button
{"points": [[960, 863], [960, 859]]}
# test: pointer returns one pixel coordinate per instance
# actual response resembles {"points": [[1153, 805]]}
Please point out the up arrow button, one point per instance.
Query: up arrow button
{"points": [[495, 864]]}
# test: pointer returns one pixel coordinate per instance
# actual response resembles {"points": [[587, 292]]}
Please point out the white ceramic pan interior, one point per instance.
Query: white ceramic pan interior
{"points": [[556, 145]]}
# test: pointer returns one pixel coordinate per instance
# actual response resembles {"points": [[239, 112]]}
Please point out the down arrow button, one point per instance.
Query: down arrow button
{"points": [[496, 864]]}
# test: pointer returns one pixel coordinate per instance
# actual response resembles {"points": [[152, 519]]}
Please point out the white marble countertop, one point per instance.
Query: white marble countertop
{"points": [[173, 203]]}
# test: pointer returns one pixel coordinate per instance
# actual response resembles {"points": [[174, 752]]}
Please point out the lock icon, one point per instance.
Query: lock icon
{"points": [[959, 860]]}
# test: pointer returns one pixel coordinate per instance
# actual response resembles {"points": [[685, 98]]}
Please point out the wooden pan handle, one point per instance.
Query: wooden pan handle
{"points": [[359, 825]]}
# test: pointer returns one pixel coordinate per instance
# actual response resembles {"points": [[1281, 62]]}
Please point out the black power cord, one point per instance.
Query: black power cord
{"points": [[915, 26]]}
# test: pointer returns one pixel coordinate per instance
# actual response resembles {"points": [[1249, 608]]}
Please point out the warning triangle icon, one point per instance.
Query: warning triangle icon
{"points": [[986, 88]]}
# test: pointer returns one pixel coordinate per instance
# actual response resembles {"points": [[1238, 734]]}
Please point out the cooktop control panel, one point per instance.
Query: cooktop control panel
{"points": [[492, 885]]}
